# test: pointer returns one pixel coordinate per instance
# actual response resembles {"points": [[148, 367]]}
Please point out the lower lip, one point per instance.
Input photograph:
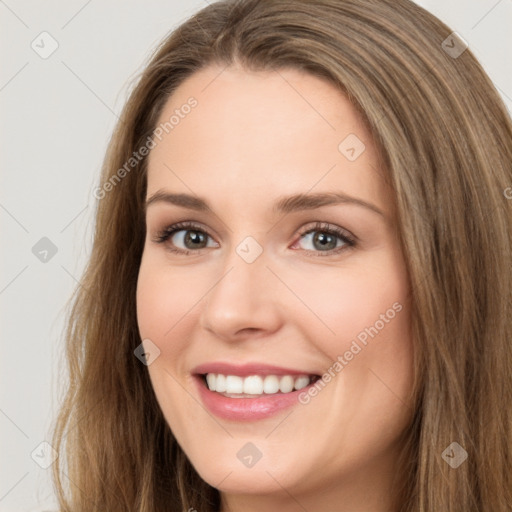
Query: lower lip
{"points": [[246, 409]]}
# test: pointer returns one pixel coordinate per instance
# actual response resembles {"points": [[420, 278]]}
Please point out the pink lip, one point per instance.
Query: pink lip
{"points": [[246, 369], [245, 409]]}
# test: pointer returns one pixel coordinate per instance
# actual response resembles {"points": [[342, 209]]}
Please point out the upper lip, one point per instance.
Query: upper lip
{"points": [[246, 369]]}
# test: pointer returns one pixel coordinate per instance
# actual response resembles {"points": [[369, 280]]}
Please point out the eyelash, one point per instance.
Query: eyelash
{"points": [[164, 235]]}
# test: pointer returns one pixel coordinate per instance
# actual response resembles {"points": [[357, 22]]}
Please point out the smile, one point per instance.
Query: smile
{"points": [[234, 386], [249, 392]]}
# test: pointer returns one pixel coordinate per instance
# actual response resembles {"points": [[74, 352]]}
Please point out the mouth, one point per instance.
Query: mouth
{"points": [[255, 386], [250, 392]]}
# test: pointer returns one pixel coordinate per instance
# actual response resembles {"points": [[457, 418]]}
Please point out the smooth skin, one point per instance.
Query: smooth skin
{"points": [[252, 138]]}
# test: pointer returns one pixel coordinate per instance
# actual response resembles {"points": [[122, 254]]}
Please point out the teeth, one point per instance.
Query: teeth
{"points": [[301, 382], [286, 384], [211, 381], [255, 384], [271, 384], [220, 383], [234, 384]]}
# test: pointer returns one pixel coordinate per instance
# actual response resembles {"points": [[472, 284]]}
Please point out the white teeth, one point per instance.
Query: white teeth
{"points": [[271, 384], [211, 380], [234, 384], [286, 384], [255, 384], [301, 382], [220, 383]]}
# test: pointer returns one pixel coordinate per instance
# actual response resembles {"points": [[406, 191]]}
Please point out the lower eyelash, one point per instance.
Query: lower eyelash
{"points": [[349, 241]]}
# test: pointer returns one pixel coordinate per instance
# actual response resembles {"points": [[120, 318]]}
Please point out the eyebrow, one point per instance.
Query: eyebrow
{"points": [[287, 204]]}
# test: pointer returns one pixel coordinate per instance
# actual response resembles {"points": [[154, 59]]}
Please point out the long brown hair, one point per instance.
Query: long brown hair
{"points": [[445, 137]]}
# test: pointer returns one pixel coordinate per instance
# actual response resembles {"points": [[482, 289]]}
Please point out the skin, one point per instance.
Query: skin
{"points": [[252, 138]]}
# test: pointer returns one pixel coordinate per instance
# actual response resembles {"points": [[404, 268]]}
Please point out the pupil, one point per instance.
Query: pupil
{"points": [[194, 237], [323, 239]]}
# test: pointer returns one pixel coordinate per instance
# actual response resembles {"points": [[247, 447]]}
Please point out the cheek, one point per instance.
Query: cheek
{"points": [[164, 298], [166, 315], [361, 303], [361, 321]]}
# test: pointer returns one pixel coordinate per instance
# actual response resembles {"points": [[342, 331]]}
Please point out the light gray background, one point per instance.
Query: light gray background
{"points": [[56, 117]]}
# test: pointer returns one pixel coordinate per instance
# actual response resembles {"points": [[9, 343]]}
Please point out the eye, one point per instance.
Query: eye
{"points": [[328, 239], [191, 235]]}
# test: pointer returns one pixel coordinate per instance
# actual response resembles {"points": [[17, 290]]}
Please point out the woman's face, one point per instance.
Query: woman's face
{"points": [[294, 272]]}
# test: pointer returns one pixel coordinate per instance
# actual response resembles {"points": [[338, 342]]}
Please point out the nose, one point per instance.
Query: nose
{"points": [[243, 300]]}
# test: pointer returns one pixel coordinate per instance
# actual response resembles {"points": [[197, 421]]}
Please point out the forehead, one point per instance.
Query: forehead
{"points": [[254, 132]]}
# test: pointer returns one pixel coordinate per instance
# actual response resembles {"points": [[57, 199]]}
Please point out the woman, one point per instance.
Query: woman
{"points": [[299, 294]]}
